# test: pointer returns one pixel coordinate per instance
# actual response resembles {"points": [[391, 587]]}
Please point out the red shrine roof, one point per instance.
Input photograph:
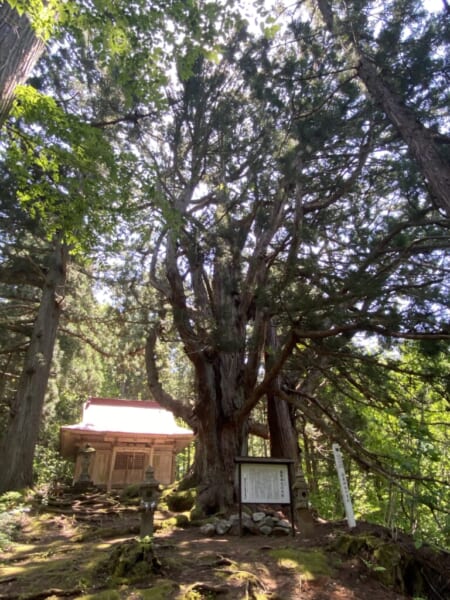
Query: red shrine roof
{"points": [[127, 416], [119, 419]]}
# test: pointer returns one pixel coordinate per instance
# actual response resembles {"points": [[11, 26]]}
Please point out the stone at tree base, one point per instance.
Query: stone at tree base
{"points": [[257, 523], [234, 529], [248, 524], [268, 521], [208, 529], [258, 516], [277, 515], [222, 527], [265, 530], [283, 523]]}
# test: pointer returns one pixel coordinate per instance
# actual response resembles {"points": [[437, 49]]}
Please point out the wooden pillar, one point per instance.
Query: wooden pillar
{"points": [[111, 468]]}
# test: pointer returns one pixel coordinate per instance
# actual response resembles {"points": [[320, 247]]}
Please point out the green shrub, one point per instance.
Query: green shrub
{"points": [[182, 520], [10, 500], [50, 468], [131, 494], [8, 529], [11, 511]]}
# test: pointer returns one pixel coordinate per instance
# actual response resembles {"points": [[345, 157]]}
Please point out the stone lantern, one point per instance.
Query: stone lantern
{"points": [[149, 492], [300, 490], [84, 480], [300, 494]]}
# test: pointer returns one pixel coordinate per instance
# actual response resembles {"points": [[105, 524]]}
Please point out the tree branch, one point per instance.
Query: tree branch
{"points": [[161, 396]]}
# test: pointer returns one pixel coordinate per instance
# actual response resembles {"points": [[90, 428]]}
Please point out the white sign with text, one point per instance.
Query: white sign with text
{"points": [[345, 492], [265, 483]]}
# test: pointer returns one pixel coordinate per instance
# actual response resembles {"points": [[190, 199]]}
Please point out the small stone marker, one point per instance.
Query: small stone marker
{"points": [[149, 491]]}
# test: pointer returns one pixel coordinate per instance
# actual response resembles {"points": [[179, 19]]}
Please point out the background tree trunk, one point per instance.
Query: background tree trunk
{"points": [[280, 417], [283, 437], [419, 140], [20, 49], [417, 137], [21, 435]]}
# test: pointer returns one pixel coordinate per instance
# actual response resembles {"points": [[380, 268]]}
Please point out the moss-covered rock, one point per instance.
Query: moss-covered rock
{"points": [[181, 501], [397, 565], [180, 520], [350, 545], [196, 515], [131, 561]]}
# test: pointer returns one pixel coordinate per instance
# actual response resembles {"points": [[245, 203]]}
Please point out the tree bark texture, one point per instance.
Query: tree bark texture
{"points": [[21, 435], [220, 437], [20, 49], [219, 441]]}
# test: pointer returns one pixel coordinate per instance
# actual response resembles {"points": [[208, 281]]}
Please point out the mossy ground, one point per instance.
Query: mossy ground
{"points": [[310, 563], [98, 556]]}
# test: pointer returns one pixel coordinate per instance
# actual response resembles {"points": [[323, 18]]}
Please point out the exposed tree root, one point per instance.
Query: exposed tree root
{"points": [[44, 594]]}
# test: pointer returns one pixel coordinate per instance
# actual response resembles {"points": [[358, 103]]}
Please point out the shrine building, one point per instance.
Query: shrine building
{"points": [[127, 436]]}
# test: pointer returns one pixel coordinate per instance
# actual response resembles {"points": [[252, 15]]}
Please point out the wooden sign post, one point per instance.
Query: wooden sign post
{"points": [[264, 481], [345, 492]]}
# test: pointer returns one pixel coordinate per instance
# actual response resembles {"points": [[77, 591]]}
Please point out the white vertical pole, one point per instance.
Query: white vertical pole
{"points": [[344, 486]]}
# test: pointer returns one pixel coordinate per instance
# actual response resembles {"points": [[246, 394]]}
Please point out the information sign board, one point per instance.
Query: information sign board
{"points": [[265, 483]]}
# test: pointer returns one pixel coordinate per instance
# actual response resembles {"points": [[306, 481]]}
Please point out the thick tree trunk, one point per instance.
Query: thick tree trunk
{"points": [[20, 49], [222, 374], [21, 435], [219, 441], [220, 436]]}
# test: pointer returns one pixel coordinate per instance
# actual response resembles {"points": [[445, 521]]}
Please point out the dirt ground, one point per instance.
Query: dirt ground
{"points": [[277, 578], [65, 550]]}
